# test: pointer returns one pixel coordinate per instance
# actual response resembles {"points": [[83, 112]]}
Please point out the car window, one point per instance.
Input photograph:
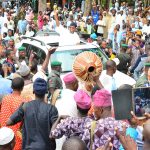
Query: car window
{"points": [[67, 57], [40, 53], [42, 56]]}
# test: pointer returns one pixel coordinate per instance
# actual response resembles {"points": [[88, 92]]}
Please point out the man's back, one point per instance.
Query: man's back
{"points": [[38, 119], [66, 99], [105, 128]]}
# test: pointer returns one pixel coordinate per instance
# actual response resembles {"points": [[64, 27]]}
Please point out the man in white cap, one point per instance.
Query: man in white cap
{"points": [[7, 139]]}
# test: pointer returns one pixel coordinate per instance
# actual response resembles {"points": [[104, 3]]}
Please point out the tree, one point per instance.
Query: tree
{"points": [[42, 5], [88, 6]]}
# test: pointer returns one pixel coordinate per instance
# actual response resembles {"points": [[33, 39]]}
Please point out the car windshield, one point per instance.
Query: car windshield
{"points": [[47, 33], [67, 57]]}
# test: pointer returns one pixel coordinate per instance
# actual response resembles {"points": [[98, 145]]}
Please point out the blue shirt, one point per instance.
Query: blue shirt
{"points": [[5, 86], [137, 62], [22, 24], [95, 16], [133, 134]]}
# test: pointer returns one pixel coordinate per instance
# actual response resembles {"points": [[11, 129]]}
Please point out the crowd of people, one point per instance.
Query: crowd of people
{"points": [[38, 112]]}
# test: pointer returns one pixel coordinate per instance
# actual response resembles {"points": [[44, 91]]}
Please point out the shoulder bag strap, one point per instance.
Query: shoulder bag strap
{"points": [[55, 96], [93, 126]]}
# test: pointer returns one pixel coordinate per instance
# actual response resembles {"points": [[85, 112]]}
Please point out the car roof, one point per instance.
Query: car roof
{"points": [[41, 43]]}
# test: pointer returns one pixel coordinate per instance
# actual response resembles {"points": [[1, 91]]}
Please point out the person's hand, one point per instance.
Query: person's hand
{"points": [[96, 79], [127, 142], [52, 50], [55, 13], [108, 146], [31, 55], [147, 115], [140, 121], [5, 69]]}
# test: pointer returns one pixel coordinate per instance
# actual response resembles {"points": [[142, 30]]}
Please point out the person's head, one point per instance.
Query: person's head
{"points": [[131, 12], [88, 21], [101, 17], [72, 27], [7, 139], [71, 82], [5, 25], [104, 13], [11, 43], [99, 40], [117, 27], [78, 16], [83, 101], [138, 34], [74, 143], [137, 43], [124, 27], [121, 12], [125, 86], [10, 54], [40, 88], [17, 84], [93, 37], [24, 71], [22, 52], [147, 66], [113, 11], [10, 32], [4, 34], [124, 47], [102, 104], [103, 44], [71, 18], [137, 19], [94, 7], [56, 65], [111, 67]]}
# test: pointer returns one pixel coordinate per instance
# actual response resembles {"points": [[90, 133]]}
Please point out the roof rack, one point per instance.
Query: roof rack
{"points": [[33, 39]]}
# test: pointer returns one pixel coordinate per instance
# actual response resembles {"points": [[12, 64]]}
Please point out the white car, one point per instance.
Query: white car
{"points": [[66, 55]]}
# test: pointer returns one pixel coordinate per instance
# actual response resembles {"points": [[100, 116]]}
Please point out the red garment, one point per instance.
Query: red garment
{"points": [[9, 105], [40, 22]]}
